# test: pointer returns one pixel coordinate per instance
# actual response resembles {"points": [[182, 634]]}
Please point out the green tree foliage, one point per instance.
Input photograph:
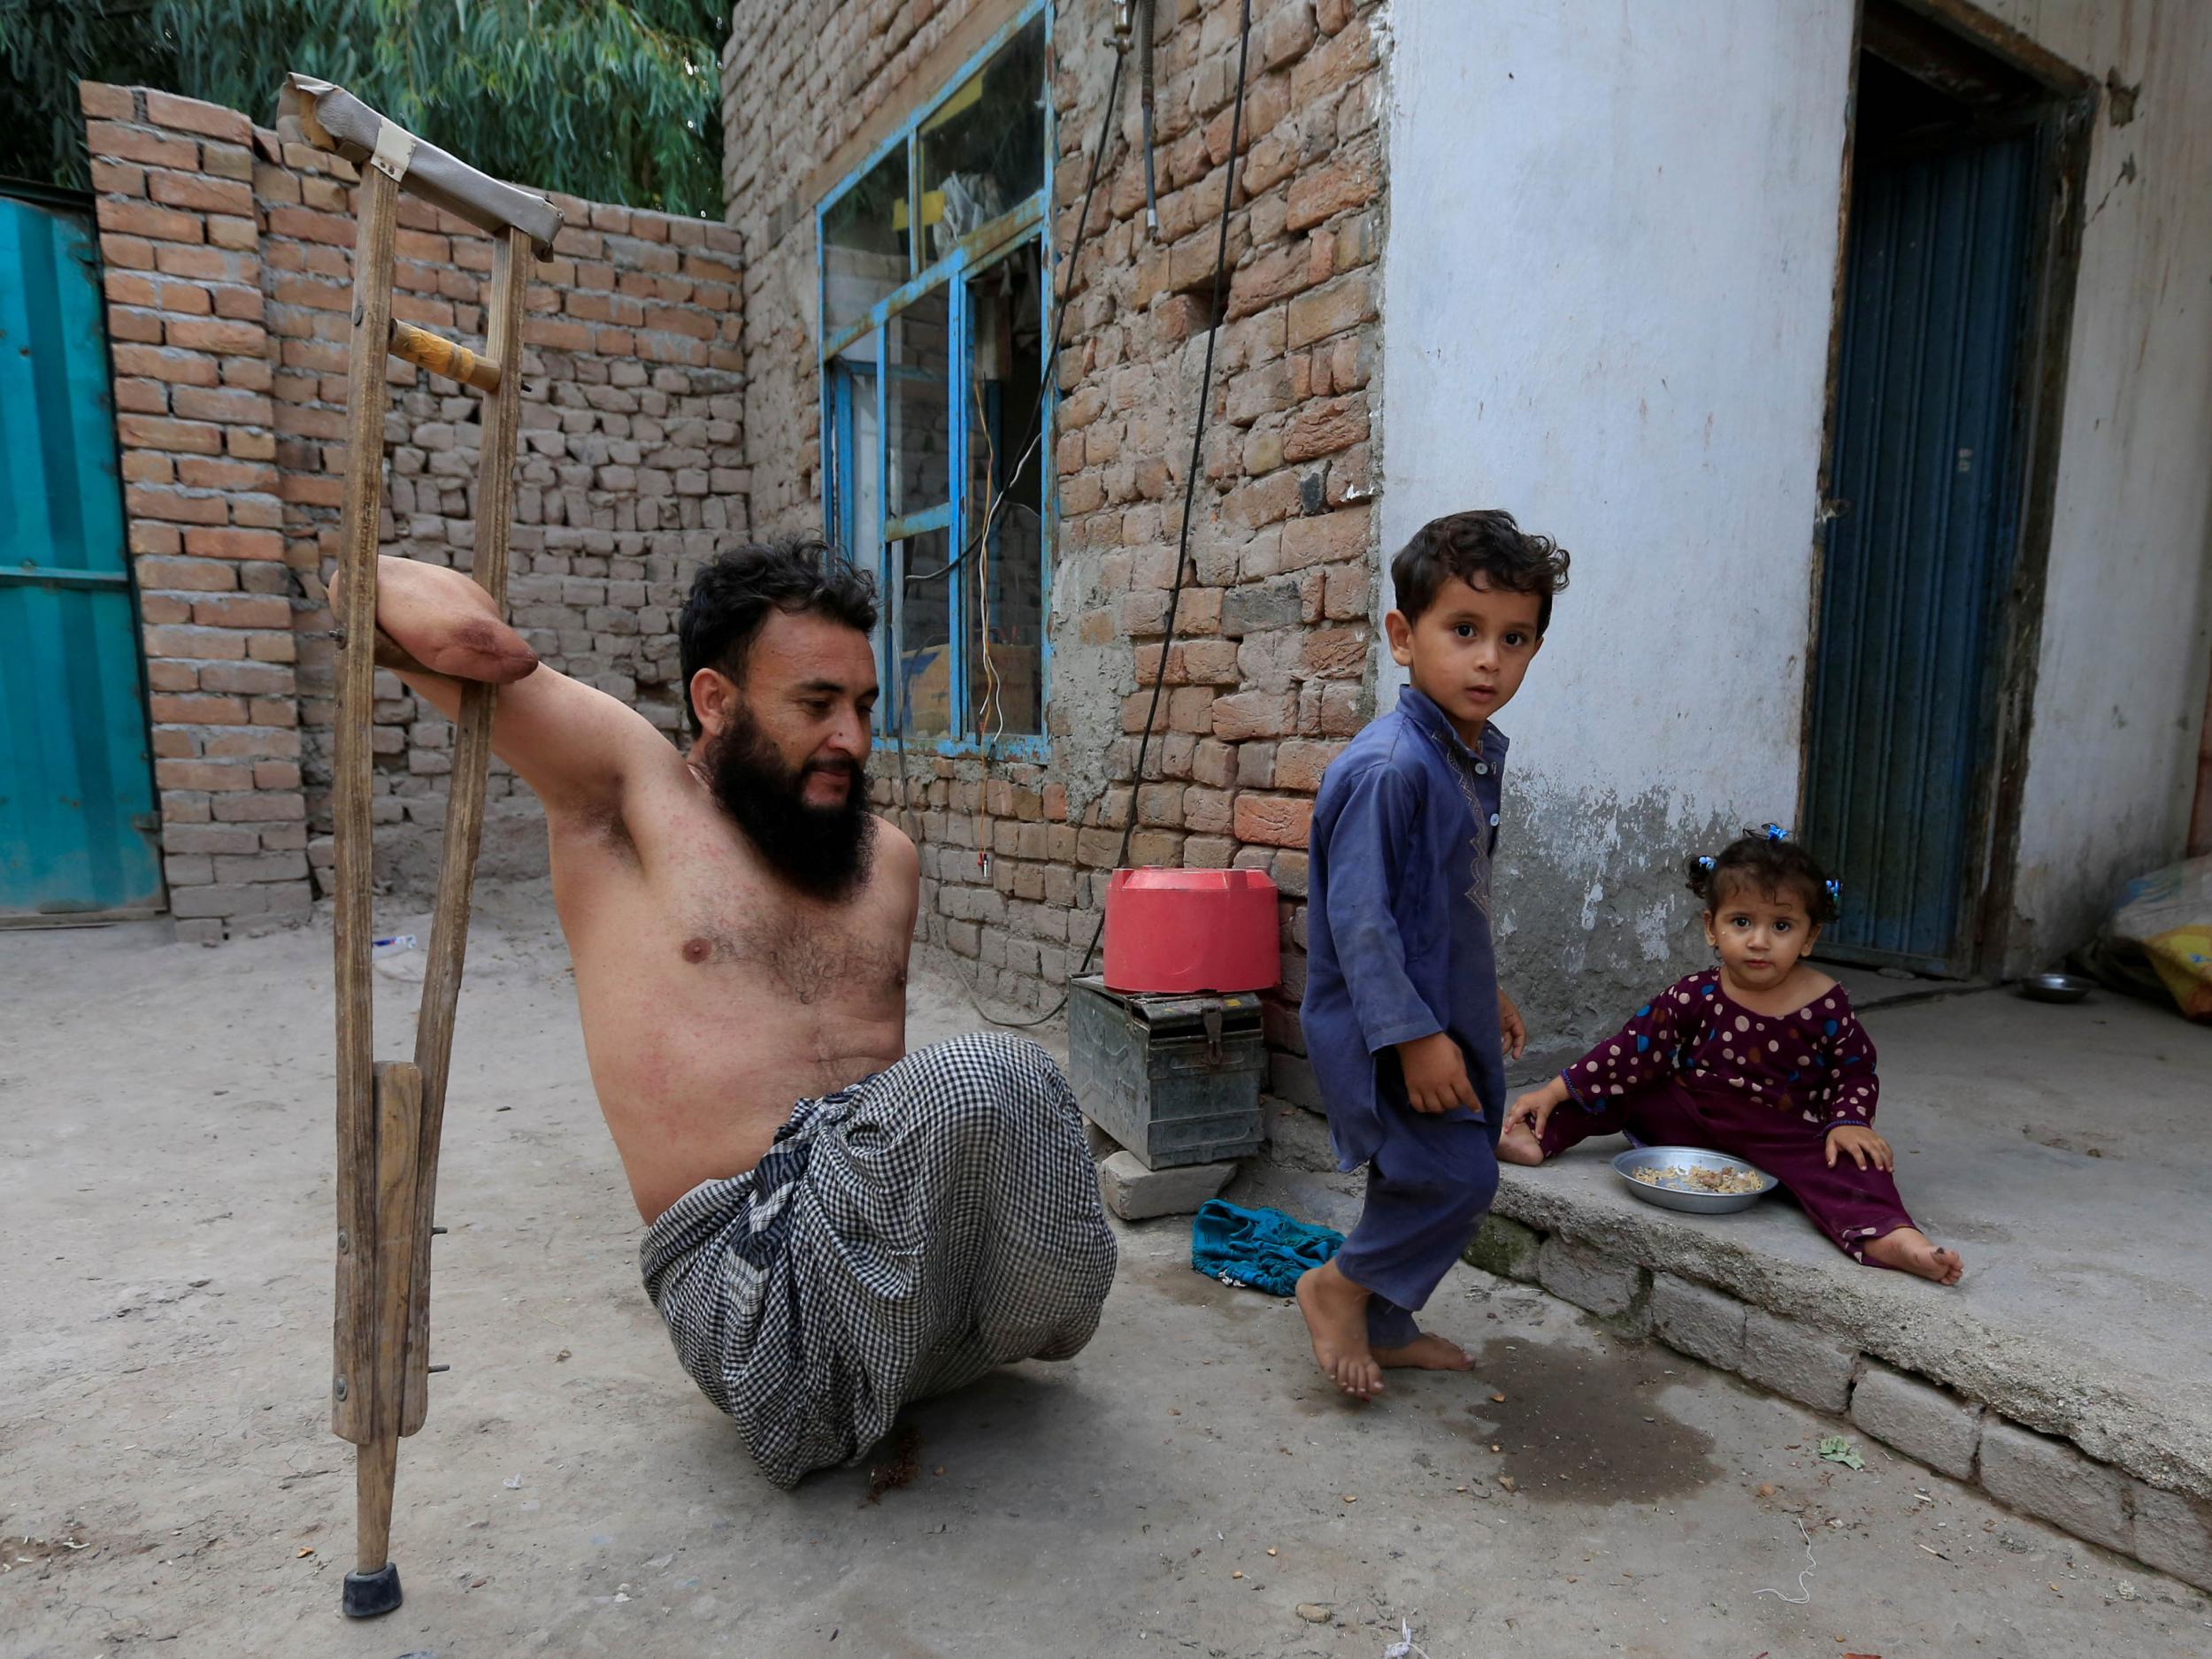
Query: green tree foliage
{"points": [[612, 100], [46, 46]]}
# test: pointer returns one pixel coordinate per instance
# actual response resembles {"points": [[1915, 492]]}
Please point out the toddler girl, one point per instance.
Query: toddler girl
{"points": [[1759, 1057]]}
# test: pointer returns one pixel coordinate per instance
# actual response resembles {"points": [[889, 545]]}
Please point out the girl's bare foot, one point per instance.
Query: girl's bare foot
{"points": [[1425, 1353], [1336, 1318], [1518, 1145], [1910, 1251]]}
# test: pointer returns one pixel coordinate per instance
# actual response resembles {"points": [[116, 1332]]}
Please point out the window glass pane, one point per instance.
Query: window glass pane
{"points": [[855, 478], [921, 417], [855, 465], [983, 150], [864, 244], [924, 671], [1004, 578]]}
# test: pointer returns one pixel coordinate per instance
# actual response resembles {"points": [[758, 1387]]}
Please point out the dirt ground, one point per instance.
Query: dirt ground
{"points": [[168, 1482]]}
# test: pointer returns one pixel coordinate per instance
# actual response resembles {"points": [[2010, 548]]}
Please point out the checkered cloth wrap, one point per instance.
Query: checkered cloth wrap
{"points": [[901, 1237]]}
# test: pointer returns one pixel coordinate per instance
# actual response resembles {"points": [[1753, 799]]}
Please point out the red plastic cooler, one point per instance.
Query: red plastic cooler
{"points": [[1179, 931]]}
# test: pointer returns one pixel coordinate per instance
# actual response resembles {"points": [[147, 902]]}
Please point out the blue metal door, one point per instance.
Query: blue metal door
{"points": [[1922, 546], [77, 828]]}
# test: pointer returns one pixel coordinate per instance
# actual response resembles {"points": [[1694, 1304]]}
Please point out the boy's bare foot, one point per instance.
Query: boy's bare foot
{"points": [[1518, 1145], [1336, 1318], [1425, 1353], [1910, 1251]]}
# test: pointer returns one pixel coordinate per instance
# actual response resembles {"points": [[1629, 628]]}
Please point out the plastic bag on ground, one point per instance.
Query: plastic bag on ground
{"points": [[2158, 939]]}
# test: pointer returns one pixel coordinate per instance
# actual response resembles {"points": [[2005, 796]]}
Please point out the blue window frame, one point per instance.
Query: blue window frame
{"points": [[934, 320]]}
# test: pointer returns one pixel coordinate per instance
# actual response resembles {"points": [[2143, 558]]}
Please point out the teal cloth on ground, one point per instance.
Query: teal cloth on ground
{"points": [[1261, 1249]]}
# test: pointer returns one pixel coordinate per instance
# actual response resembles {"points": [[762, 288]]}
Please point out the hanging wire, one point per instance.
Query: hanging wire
{"points": [[1032, 435], [1197, 454], [993, 704], [1032, 430], [1190, 492]]}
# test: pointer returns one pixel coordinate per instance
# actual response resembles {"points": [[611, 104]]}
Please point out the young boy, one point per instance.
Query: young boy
{"points": [[1404, 1021]]}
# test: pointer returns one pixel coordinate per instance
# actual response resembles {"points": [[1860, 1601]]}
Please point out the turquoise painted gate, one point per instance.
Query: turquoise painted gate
{"points": [[78, 832]]}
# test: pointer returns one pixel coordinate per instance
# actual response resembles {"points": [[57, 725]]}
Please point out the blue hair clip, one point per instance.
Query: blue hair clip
{"points": [[1835, 888], [1776, 833], [1705, 861]]}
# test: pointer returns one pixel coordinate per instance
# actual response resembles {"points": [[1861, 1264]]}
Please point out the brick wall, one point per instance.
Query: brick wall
{"points": [[228, 264], [180, 239], [1268, 676]]}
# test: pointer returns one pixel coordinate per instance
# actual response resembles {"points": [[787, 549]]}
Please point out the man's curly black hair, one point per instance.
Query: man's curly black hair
{"points": [[733, 593]]}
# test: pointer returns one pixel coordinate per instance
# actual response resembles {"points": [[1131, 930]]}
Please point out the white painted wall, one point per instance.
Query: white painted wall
{"points": [[2120, 694], [1607, 293], [1607, 305]]}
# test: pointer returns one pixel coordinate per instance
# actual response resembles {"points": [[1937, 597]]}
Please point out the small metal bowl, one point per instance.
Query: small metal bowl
{"points": [[2055, 988], [1694, 1158]]}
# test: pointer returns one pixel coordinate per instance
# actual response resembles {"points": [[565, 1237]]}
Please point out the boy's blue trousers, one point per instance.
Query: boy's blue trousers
{"points": [[1428, 1186]]}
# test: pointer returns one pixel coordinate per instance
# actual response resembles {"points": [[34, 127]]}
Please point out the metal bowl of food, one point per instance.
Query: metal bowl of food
{"points": [[2055, 988], [1690, 1177]]}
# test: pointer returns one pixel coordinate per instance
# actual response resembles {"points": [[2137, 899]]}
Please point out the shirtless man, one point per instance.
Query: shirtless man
{"points": [[834, 1226]]}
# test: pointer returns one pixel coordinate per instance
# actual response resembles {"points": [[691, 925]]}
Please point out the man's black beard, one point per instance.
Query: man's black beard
{"points": [[825, 852]]}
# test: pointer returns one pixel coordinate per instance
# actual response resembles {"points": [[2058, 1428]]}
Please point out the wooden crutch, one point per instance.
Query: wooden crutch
{"points": [[390, 1114]]}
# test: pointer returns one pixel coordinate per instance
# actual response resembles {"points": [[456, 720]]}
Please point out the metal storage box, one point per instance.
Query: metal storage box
{"points": [[1175, 1079]]}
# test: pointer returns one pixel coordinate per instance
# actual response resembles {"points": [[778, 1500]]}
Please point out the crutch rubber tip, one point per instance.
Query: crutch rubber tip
{"points": [[369, 1594]]}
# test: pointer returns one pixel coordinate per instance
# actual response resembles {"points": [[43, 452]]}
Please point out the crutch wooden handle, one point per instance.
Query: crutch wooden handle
{"points": [[443, 358], [390, 1117]]}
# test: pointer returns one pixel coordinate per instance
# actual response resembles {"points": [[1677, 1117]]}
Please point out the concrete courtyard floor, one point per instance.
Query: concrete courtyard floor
{"points": [[168, 1482]]}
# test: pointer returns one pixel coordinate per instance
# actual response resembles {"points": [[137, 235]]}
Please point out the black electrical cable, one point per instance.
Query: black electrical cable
{"points": [[1049, 368], [1190, 493], [1147, 11], [1197, 457]]}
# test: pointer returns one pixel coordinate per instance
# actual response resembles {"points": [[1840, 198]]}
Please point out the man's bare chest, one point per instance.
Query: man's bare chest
{"points": [[701, 907], [809, 952]]}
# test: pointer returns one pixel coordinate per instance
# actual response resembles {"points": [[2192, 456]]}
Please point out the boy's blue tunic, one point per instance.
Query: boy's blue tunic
{"points": [[1398, 920]]}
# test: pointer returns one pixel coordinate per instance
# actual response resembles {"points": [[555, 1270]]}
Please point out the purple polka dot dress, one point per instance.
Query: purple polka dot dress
{"points": [[1696, 1068]]}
